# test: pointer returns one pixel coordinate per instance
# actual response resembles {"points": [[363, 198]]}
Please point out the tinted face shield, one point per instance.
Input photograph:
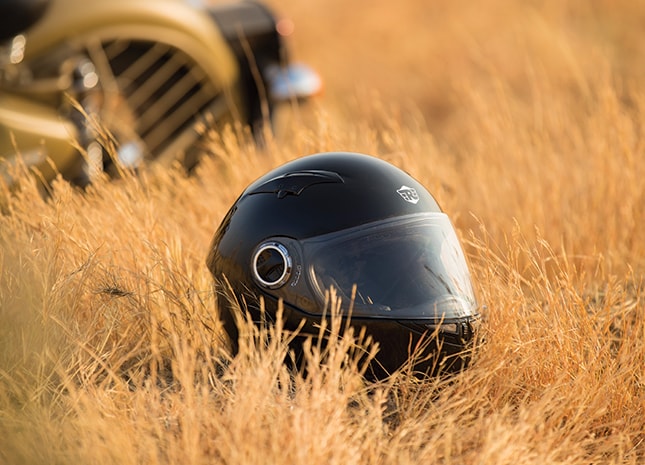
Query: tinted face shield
{"points": [[407, 268]]}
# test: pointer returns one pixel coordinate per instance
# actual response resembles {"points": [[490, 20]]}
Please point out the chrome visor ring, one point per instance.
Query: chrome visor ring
{"points": [[271, 265]]}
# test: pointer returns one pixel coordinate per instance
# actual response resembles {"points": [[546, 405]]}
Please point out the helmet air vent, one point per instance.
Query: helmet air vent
{"points": [[293, 183]]}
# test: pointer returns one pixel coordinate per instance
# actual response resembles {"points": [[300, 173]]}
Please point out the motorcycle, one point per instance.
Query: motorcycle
{"points": [[93, 86]]}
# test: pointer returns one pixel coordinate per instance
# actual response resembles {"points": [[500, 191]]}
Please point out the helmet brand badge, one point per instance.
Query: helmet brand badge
{"points": [[409, 194]]}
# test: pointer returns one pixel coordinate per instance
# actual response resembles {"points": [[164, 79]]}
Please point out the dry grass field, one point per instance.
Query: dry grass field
{"points": [[526, 119]]}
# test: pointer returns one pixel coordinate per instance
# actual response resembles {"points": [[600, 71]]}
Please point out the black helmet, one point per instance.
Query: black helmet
{"points": [[364, 227]]}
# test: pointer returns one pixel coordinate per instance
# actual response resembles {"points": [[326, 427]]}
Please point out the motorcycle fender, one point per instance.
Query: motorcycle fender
{"points": [[177, 23], [36, 136]]}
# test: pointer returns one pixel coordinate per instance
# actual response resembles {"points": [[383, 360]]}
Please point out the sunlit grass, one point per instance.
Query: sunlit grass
{"points": [[111, 350]]}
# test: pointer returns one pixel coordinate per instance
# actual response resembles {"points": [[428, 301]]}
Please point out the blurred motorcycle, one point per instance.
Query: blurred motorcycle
{"points": [[92, 86]]}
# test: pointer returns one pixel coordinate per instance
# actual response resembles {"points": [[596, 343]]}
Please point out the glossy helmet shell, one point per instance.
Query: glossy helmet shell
{"points": [[317, 210]]}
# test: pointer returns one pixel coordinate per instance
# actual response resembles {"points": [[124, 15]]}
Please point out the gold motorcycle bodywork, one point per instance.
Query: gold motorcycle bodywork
{"points": [[157, 69], [29, 133]]}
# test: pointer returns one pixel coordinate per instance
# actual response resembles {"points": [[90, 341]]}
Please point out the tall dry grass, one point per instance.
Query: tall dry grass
{"points": [[525, 119]]}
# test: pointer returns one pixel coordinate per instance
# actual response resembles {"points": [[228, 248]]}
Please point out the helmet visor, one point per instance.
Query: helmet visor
{"points": [[411, 267]]}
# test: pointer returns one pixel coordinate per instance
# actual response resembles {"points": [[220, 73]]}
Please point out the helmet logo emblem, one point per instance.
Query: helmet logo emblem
{"points": [[409, 194]]}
